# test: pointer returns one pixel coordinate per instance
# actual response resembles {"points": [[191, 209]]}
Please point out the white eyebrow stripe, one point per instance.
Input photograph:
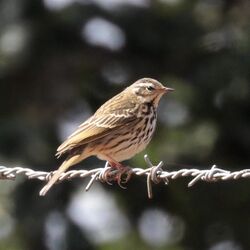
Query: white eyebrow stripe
{"points": [[144, 84]]}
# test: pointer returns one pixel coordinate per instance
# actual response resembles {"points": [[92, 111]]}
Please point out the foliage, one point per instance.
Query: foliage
{"points": [[60, 60]]}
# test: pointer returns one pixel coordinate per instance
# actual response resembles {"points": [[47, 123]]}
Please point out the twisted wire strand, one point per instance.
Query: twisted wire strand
{"points": [[155, 174]]}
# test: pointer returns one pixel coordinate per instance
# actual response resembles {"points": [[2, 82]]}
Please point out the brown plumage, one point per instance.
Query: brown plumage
{"points": [[119, 129]]}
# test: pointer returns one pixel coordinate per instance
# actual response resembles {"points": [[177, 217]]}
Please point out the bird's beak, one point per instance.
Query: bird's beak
{"points": [[166, 90]]}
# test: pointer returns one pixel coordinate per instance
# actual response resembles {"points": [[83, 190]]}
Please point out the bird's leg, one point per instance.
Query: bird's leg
{"points": [[127, 171], [122, 170]]}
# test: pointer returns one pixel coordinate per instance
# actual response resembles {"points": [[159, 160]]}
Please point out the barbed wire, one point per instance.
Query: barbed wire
{"points": [[155, 174]]}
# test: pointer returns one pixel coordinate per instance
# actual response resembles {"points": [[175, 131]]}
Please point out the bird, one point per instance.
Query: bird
{"points": [[122, 127]]}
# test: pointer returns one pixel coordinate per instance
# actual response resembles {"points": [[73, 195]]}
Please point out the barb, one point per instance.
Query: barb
{"points": [[155, 174]]}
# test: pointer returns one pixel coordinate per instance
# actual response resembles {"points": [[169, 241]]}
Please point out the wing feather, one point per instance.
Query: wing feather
{"points": [[107, 118]]}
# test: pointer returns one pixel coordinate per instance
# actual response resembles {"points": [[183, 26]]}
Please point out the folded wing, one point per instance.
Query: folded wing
{"points": [[107, 119]]}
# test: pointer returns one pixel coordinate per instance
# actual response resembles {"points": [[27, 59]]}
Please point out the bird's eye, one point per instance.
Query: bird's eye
{"points": [[150, 88]]}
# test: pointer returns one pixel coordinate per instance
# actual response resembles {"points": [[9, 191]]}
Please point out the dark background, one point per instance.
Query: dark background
{"points": [[61, 59]]}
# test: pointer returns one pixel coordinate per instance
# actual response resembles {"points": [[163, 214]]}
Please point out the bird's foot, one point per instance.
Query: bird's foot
{"points": [[121, 174]]}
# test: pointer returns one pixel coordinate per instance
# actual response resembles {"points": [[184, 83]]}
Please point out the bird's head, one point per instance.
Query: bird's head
{"points": [[149, 90]]}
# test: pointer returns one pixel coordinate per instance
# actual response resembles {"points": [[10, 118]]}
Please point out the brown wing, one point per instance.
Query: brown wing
{"points": [[108, 118]]}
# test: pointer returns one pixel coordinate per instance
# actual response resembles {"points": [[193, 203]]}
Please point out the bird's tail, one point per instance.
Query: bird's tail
{"points": [[65, 165]]}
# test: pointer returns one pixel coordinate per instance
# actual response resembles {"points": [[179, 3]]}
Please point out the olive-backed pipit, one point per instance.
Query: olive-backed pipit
{"points": [[119, 129]]}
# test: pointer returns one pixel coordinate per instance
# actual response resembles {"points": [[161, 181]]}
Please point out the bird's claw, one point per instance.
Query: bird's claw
{"points": [[121, 175], [124, 172], [108, 175]]}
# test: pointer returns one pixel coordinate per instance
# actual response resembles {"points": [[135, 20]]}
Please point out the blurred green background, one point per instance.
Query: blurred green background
{"points": [[61, 59]]}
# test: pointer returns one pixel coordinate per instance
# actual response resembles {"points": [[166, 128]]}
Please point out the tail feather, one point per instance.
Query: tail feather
{"points": [[65, 165]]}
